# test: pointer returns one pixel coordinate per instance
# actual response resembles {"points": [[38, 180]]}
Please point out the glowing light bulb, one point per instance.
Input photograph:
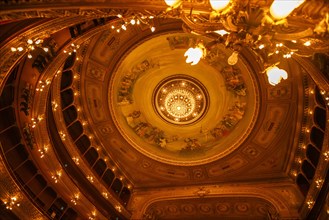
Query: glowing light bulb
{"points": [[221, 32], [233, 59], [307, 43], [219, 5], [281, 9], [173, 3], [275, 75], [193, 55]]}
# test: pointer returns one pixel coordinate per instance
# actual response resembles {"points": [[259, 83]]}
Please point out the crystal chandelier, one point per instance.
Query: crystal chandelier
{"points": [[253, 25]]}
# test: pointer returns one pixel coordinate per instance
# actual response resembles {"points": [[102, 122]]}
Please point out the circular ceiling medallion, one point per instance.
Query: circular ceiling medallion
{"points": [[180, 99], [180, 114]]}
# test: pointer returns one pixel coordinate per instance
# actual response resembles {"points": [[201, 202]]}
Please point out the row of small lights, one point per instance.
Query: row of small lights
{"points": [[30, 46], [76, 196], [11, 203], [42, 151], [72, 49], [84, 123], [42, 84], [133, 20], [287, 53], [35, 121], [319, 181], [57, 175]]}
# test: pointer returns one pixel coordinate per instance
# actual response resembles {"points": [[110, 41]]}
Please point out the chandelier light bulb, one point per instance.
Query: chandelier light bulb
{"points": [[221, 32], [275, 75], [133, 21], [307, 43], [29, 41], [281, 9], [193, 55], [219, 5], [261, 46], [173, 3], [233, 59]]}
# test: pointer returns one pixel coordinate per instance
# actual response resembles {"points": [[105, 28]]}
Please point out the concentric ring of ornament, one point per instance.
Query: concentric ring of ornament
{"points": [[180, 99]]}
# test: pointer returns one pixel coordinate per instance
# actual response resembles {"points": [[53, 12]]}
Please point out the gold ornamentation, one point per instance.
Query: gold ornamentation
{"points": [[180, 100]]}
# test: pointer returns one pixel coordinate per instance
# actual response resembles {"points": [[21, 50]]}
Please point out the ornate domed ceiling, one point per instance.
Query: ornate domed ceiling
{"points": [[133, 82], [178, 113], [108, 121]]}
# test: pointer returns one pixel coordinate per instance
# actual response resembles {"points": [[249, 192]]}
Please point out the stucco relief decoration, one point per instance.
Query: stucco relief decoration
{"points": [[239, 207]]}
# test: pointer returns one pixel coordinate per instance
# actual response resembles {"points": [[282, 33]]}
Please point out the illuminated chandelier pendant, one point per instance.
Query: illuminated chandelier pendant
{"points": [[180, 100]]}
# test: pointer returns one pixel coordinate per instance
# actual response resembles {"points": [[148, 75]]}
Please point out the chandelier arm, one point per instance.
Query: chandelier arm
{"points": [[294, 36], [201, 28]]}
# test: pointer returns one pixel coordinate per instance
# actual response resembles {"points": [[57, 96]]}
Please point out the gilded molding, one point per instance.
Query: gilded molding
{"points": [[9, 188], [9, 59], [286, 207], [40, 105], [313, 72]]}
